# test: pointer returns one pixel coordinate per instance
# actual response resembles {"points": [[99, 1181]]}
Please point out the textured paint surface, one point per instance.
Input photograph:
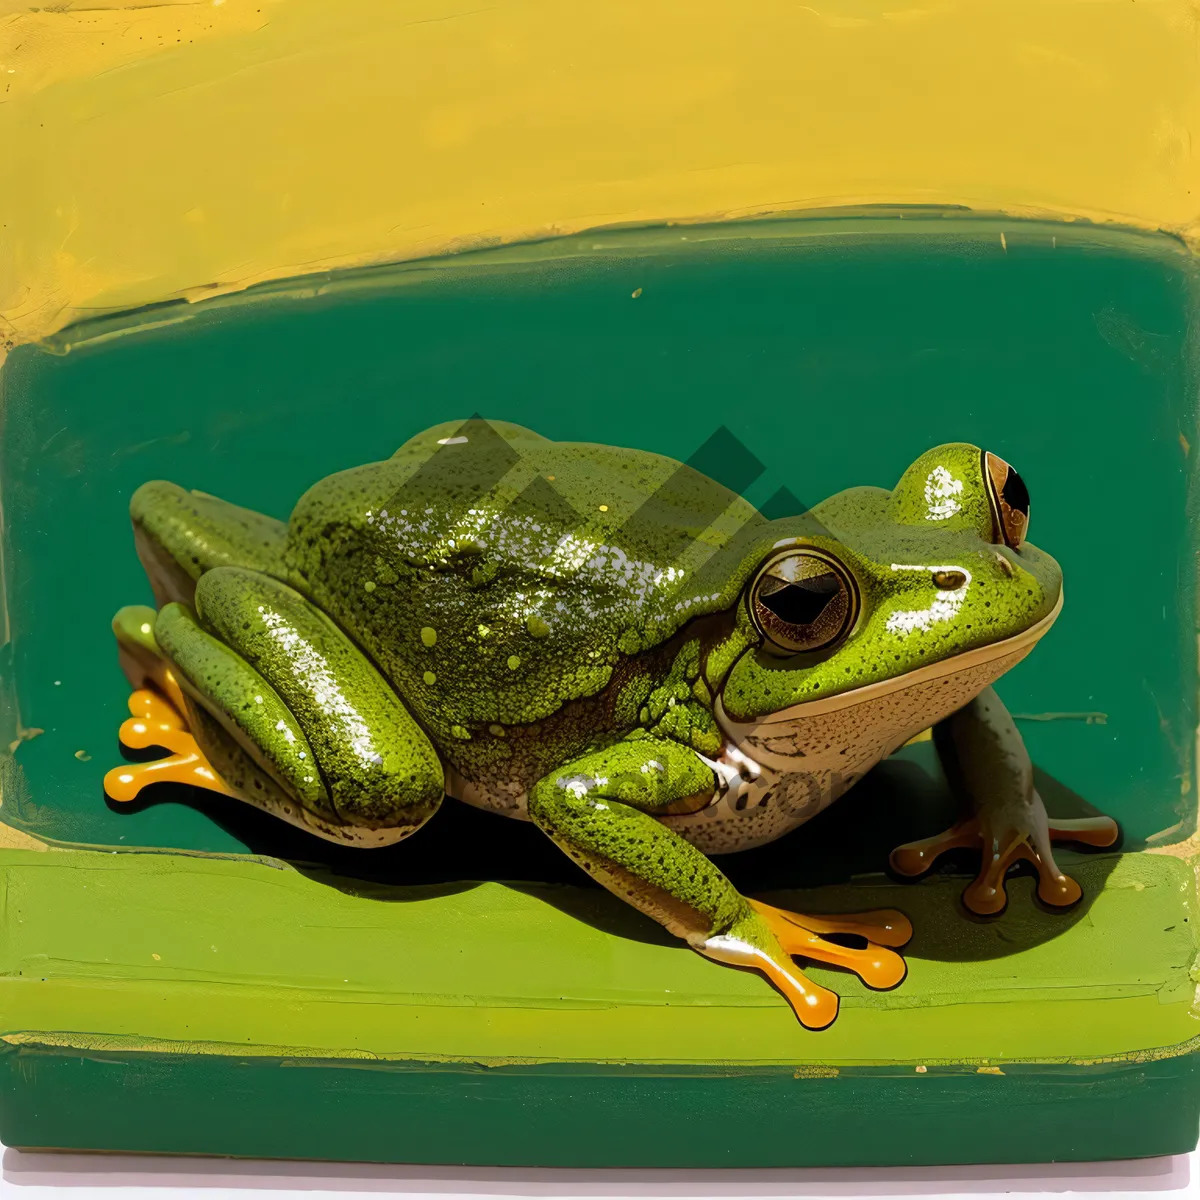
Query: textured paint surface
{"points": [[199, 148], [123, 950], [583, 1115], [390, 131]]}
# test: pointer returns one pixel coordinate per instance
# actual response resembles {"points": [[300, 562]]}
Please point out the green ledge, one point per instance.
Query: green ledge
{"points": [[146, 983]]}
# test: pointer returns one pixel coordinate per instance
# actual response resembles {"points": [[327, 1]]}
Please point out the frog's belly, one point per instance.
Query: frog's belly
{"points": [[509, 798], [795, 765]]}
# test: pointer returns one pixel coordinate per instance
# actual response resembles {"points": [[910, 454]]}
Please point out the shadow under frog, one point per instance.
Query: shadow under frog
{"points": [[618, 649], [904, 798]]}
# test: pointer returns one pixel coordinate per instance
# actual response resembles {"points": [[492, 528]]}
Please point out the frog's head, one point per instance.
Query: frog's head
{"points": [[930, 577]]}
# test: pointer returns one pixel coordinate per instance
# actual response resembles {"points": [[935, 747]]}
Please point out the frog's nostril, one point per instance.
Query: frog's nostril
{"points": [[949, 581]]}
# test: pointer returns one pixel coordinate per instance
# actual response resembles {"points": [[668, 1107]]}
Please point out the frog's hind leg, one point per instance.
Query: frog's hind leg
{"points": [[161, 717], [180, 534], [289, 714], [223, 767]]}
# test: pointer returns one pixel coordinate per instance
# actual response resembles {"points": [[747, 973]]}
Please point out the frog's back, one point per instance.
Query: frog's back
{"points": [[496, 576]]}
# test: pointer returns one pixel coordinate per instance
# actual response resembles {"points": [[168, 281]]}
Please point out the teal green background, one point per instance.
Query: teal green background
{"points": [[836, 353]]}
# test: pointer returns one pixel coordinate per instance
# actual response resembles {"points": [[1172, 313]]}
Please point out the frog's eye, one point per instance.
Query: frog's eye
{"points": [[803, 600], [1009, 499]]}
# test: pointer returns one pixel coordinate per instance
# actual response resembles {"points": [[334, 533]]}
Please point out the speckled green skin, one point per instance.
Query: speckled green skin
{"points": [[551, 624]]}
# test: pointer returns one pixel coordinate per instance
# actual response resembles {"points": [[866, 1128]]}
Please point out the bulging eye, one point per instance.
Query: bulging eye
{"points": [[803, 600], [1009, 499]]}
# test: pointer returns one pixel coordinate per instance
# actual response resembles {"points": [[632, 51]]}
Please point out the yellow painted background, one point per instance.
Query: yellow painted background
{"points": [[187, 148]]}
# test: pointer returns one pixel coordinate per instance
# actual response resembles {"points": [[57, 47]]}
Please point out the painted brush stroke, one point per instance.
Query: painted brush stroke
{"points": [[191, 149], [186, 151]]}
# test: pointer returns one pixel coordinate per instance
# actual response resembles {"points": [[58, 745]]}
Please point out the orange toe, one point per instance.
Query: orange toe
{"points": [[883, 926], [815, 1007], [915, 858], [157, 722], [1090, 831], [1054, 887], [876, 966], [138, 733], [123, 784], [1061, 891], [800, 935], [986, 896], [152, 706]]}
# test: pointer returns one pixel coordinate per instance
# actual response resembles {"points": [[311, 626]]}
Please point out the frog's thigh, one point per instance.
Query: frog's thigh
{"points": [[241, 705], [988, 766], [320, 699], [599, 810], [181, 534]]}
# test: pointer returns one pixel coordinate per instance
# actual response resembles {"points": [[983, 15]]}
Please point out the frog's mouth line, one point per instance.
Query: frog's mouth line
{"points": [[1023, 641]]}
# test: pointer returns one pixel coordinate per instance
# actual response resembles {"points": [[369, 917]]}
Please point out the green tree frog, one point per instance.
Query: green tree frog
{"points": [[614, 647]]}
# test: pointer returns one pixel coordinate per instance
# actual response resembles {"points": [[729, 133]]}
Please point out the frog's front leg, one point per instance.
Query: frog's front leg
{"points": [[989, 768], [286, 710], [601, 809]]}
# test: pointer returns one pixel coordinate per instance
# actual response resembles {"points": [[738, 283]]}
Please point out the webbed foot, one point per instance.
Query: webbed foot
{"points": [[1002, 845], [754, 942], [807, 936], [156, 721]]}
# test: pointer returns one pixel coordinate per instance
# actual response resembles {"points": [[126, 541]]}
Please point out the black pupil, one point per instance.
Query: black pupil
{"points": [[1015, 494], [803, 602]]}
